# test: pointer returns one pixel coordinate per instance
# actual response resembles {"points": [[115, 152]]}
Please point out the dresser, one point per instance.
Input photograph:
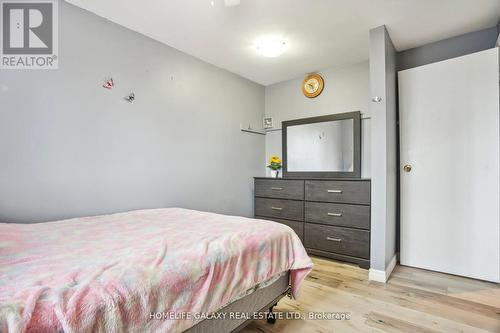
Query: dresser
{"points": [[330, 216]]}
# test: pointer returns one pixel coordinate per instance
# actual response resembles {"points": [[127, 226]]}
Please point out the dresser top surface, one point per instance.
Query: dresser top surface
{"points": [[313, 178]]}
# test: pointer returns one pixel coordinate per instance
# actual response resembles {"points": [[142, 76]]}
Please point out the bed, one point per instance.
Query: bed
{"points": [[147, 270]]}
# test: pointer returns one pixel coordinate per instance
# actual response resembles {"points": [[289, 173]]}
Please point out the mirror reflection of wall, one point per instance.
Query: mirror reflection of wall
{"points": [[323, 146]]}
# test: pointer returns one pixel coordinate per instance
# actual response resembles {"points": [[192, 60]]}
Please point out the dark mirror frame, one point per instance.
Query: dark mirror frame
{"points": [[356, 173]]}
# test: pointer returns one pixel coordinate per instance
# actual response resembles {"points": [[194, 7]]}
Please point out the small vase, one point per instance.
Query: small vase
{"points": [[275, 173]]}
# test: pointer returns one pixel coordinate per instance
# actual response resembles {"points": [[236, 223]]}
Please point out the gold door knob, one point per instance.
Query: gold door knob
{"points": [[407, 168]]}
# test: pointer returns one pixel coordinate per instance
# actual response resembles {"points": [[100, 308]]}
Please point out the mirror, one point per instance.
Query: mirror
{"points": [[327, 146]]}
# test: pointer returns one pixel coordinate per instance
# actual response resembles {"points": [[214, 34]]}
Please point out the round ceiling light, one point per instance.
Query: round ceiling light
{"points": [[270, 46]]}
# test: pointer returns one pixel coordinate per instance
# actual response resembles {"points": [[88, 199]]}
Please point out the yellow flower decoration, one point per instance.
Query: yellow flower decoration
{"points": [[274, 163], [275, 159]]}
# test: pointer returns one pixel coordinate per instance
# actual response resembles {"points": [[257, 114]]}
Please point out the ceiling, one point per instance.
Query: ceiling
{"points": [[320, 33]]}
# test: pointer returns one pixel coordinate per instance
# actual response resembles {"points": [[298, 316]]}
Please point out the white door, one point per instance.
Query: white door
{"points": [[449, 125]]}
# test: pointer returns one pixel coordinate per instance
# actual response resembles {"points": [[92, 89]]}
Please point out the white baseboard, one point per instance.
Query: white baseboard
{"points": [[382, 276]]}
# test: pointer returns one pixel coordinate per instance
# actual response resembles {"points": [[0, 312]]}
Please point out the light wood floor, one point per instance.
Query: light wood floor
{"points": [[413, 300]]}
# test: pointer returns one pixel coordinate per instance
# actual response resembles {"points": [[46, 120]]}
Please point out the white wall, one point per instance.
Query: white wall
{"points": [[69, 147], [346, 90]]}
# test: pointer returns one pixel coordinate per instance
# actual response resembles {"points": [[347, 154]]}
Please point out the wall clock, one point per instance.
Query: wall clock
{"points": [[313, 85]]}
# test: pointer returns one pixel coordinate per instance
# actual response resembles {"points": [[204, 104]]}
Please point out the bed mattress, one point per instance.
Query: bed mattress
{"points": [[113, 273]]}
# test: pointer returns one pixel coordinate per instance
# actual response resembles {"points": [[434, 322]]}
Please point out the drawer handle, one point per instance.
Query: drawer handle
{"points": [[335, 214], [277, 188], [277, 208], [334, 191], [333, 239]]}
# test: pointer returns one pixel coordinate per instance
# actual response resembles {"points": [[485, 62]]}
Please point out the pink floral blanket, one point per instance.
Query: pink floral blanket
{"points": [[110, 273]]}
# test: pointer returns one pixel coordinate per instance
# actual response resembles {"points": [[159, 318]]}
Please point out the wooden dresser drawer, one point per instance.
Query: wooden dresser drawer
{"points": [[345, 241], [280, 188], [283, 209], [354, 192], [353, 216], [298, 227]]}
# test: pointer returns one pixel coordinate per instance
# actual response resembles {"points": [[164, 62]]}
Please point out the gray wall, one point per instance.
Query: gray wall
{"points": [[498, 34], [384, 148], [69, 147], [448, 48], [346, 89]]}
